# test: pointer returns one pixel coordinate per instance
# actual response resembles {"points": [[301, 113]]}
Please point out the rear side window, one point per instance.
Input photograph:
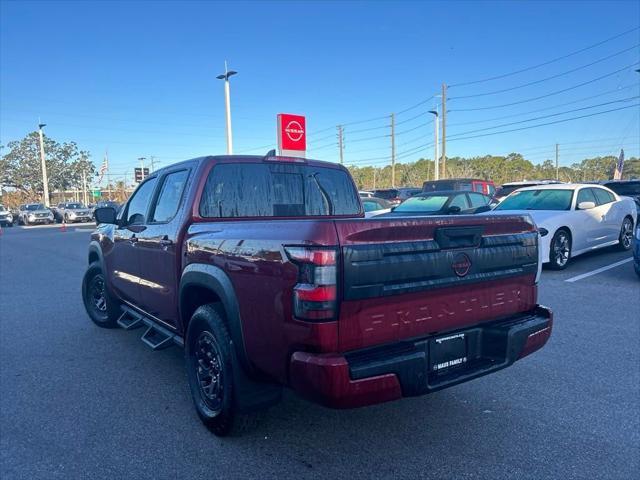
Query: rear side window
{"points": [[478, 187], [603, 196], [170, 195], [277, 190]]}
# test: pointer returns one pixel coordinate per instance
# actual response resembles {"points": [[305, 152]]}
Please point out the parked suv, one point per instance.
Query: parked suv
{"points": [[32, 213], [6, 217], [72, 212], [267, 272]]}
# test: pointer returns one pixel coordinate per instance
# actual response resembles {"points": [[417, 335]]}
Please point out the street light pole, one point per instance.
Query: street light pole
{"points": [[45, 181], [436, 161], [227, 101]]}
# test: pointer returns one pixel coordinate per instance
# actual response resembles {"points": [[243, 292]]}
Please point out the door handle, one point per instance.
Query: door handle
{"points": [[165, 241]]}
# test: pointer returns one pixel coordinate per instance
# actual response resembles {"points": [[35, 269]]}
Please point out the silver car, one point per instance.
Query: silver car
{"points": [[6, 217], [71, 212], [33, 213]]}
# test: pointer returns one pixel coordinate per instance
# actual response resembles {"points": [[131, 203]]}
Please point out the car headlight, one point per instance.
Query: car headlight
{"points": [[31, 215], [72, 214], [638, 233], [10, 217]]}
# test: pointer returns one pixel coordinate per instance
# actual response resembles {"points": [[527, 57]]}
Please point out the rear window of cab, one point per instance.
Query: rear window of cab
{"points": [[235, 190]]}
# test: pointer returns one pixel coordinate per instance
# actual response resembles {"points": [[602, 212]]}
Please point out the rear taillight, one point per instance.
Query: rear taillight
{"points": [[315, 295]]}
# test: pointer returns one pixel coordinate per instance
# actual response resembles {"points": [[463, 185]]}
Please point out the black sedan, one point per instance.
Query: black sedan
{"points": [[443, 203]]}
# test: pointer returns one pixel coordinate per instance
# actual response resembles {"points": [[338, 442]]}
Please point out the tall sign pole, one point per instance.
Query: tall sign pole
{"points": [[45, 181]]}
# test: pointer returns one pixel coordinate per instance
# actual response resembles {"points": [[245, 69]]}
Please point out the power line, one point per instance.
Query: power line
{"points": [[416, 105], [544, 116], [548, 94], [413, 128], [546, 108], [547, 62], [548, 123], [536, 82], [368, 129], [411, 118]]}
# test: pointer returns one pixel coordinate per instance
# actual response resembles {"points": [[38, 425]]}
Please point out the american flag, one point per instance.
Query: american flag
{"points": [[619, 166], [104, 168]]}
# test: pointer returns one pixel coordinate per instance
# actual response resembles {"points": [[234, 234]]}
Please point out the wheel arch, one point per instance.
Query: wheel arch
{"points": [[201, 284]]}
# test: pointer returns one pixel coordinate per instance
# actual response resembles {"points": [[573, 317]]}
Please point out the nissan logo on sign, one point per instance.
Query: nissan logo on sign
{"points": [[292, 135]]}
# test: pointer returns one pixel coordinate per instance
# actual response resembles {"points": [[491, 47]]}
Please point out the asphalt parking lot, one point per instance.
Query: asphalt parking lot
{"points": [[81, 402]]}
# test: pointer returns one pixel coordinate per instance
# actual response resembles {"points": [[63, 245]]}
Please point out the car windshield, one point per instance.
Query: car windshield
{"points": [[626, 188], [35, 206], [74, 205], [552, 199], [431, 203]]}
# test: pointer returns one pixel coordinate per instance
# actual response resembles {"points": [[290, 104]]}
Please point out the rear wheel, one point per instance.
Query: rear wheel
{"points": [[560, 250], [208, 351], [625, 239], [102, 308]]}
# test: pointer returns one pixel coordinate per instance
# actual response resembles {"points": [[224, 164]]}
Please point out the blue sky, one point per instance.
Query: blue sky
{"points": [[138, 79]]}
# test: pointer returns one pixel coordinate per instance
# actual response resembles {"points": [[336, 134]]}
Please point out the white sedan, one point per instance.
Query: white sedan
{"points": [[574, 218]]}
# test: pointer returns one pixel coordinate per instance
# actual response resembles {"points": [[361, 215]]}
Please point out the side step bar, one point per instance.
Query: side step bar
{"points": [[155, 336]]}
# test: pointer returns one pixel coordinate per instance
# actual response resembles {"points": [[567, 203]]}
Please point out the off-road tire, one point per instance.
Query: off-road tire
{"points": [[106, 317], [207, 331]]}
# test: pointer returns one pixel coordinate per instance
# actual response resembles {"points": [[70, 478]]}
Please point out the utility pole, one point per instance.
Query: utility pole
{"points": [[444, 130], [557, 168], [436, 159], [153, 167], [45, 181], [393, 150], [375, 171], [227, 101], [341, 144]]}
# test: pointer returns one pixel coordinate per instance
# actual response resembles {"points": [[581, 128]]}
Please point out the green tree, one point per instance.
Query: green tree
{"points": [[20, 167]]}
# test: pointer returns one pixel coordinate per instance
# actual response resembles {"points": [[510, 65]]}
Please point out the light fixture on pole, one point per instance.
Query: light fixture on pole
{"points": [[227, 101], [45, 181], [436, 162]]}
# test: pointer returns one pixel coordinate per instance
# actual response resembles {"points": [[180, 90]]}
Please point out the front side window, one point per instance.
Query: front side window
{"points": [[170, 196], [585, 195], [139, 203], [459, 201], [277, 190], [478, 200], [551, 199], [603, 196]]}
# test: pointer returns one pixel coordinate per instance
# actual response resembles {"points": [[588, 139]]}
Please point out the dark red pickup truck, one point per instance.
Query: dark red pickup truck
{"points": [[267, 272]]}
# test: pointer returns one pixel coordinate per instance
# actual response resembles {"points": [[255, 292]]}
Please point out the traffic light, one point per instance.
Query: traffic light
{"points": [[140, 174]]}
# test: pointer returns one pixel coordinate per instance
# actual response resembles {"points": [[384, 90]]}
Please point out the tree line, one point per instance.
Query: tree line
{"points": [[500, 169], [21, 169]]}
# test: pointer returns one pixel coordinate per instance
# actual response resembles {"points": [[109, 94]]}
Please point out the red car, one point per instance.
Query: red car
{"points": [[265, 270]]}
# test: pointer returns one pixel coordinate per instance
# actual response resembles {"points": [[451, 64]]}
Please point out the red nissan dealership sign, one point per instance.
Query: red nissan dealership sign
{"points": [[292, 135]]}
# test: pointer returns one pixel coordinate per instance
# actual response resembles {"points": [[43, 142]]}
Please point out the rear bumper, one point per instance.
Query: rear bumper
{"points": [[380, 374]]}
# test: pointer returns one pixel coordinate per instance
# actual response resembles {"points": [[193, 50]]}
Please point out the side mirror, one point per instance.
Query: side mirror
{"points": [[454, 210], [485, 208], [106, 215], [586, 205]]}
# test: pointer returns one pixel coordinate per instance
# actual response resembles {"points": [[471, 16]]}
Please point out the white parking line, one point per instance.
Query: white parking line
{"points": [[599, 270]]}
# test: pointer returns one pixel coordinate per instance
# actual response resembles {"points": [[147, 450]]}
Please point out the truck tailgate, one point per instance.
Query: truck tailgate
{"points": [[410, 277]]}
